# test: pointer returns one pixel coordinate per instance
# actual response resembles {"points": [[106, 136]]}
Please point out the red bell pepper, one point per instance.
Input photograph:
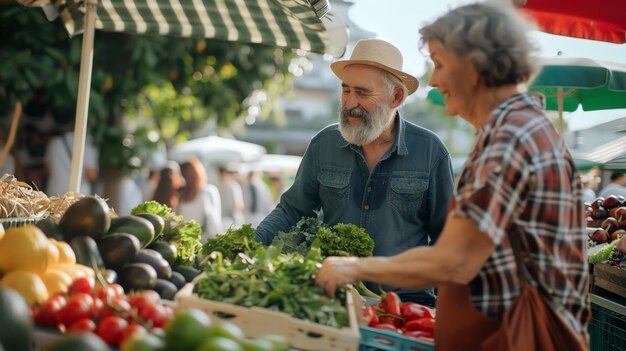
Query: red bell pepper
{"points": [[412, 310], [389, 319], [387, 326], [391, 303], [426, 324], [371, 319]]}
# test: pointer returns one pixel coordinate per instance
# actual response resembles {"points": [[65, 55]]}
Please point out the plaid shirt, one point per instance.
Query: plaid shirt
{"points": [[520, 178]]}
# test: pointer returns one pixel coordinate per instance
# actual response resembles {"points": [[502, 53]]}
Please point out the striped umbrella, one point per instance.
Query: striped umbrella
{"points": [[295, 24]]}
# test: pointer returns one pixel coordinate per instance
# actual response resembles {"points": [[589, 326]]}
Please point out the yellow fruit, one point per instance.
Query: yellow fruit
{"points": [[53, 255], [24, 248], [56, 281], [88, 271], [1, 231], [66, 254], [71, 270], [28, 284]]}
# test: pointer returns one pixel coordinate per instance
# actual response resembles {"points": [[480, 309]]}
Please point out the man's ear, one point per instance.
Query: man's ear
{"points": [[397, 97]]}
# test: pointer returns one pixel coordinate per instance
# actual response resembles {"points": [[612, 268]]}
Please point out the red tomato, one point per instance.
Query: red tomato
{"points": [[158, 314], [79, 306], [81, 285], [412, 310], [117, 290], [426, 324], [132, 329], [82, 325], [396, 322], [386, 326], [116, 307], [139, 302], [111, 329], [391, 303], [47, 313]]}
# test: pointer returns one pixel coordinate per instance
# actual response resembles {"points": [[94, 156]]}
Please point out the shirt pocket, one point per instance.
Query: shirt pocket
{"points": [[334, 188], [407, 194]]}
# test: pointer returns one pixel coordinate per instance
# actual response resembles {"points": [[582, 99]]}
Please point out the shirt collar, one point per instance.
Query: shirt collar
{"points": [[514, 102], [400, 142]]}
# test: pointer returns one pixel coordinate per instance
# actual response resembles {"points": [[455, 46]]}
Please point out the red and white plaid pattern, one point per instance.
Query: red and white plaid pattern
{"points": [[521, 178]]}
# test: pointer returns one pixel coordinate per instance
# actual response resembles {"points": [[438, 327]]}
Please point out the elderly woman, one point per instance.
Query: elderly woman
{"points": [[519, 179]]}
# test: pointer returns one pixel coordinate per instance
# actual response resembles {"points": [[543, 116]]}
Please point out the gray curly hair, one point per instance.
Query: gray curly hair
{"points": [[491, 36]]}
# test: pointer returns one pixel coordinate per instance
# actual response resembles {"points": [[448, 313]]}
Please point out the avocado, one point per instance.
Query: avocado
{"points": [[82, 341], [118, 249], [166, 289], [177, 279], [137, 226], [86, 251], [137, 276], [16, 326], [157, 222], [154, 259], [188, 272], [88, 216], [167, 250], [49, 227]]}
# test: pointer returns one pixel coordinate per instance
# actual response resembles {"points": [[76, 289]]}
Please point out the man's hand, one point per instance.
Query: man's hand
{"points": [[337, 271]]}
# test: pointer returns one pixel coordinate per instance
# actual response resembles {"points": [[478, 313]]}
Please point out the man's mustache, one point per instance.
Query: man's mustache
{"points": [[354, 112]]}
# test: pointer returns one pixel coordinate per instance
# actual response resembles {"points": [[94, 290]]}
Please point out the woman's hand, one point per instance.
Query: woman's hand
{"points": [[337, 271]]}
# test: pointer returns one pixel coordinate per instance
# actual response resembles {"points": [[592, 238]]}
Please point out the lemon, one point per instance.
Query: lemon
{"points": [[24, 248], [28, 284], [56, 281], [66, 254]]}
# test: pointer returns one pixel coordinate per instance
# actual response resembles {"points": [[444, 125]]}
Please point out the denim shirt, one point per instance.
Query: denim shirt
{"points": [[402, 202]]}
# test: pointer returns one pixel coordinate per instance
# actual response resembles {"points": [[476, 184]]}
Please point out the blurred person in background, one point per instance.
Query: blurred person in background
{"points": [[257, 198], [149, 185], [200, 200], [589, 186], [58, 163], [615, 187], [168, 188], [231, 193]]}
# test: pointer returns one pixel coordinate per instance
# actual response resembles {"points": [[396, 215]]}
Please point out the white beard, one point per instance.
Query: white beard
{"points": [[371, 127]]}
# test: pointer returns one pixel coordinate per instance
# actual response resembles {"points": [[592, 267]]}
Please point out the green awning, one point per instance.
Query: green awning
{"points": [[285, 23]]}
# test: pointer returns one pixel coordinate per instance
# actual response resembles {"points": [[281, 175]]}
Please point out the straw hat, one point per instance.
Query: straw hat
{"points": [[381, 54]]}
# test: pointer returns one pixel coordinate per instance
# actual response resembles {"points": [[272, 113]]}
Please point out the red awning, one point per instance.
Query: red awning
{"points": [[603, 20]]}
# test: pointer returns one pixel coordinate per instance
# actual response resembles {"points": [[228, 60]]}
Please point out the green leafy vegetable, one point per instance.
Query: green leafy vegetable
{"points": [[603, 254], [300, 237], [232, 243], [345, 239], [185, 235], [278, 282]]}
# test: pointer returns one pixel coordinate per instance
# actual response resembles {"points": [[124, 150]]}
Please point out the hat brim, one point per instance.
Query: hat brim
{"points": [[409, 81]]}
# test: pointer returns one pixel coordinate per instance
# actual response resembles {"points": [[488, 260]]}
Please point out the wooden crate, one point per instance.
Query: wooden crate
{"points": [[610, 278], [256, 322]]}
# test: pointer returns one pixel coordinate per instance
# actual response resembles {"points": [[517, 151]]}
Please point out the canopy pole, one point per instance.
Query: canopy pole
{"points": [[82, 103], [559, 101]]}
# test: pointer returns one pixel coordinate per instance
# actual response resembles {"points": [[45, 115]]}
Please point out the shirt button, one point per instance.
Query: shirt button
{"points": [[367, 207], [369, 189]]}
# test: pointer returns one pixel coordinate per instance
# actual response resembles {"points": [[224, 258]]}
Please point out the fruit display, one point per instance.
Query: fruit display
{"points": [[407, 318], [608, 217], [105, 311], [36, 266], [133, 250], [193, 330]]}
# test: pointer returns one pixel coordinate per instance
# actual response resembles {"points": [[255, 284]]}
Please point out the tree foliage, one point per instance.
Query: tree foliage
{"points": [[167, 85]]}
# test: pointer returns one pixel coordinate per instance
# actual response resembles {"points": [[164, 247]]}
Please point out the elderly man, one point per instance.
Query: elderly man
{"points": [[373, 169]]}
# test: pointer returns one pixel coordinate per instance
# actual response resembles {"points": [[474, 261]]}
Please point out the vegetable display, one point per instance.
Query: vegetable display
{"points": [[277, 282], [232, 243]]}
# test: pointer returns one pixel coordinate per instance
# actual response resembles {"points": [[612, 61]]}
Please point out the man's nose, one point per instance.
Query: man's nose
{"points": [[350, 101]]}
